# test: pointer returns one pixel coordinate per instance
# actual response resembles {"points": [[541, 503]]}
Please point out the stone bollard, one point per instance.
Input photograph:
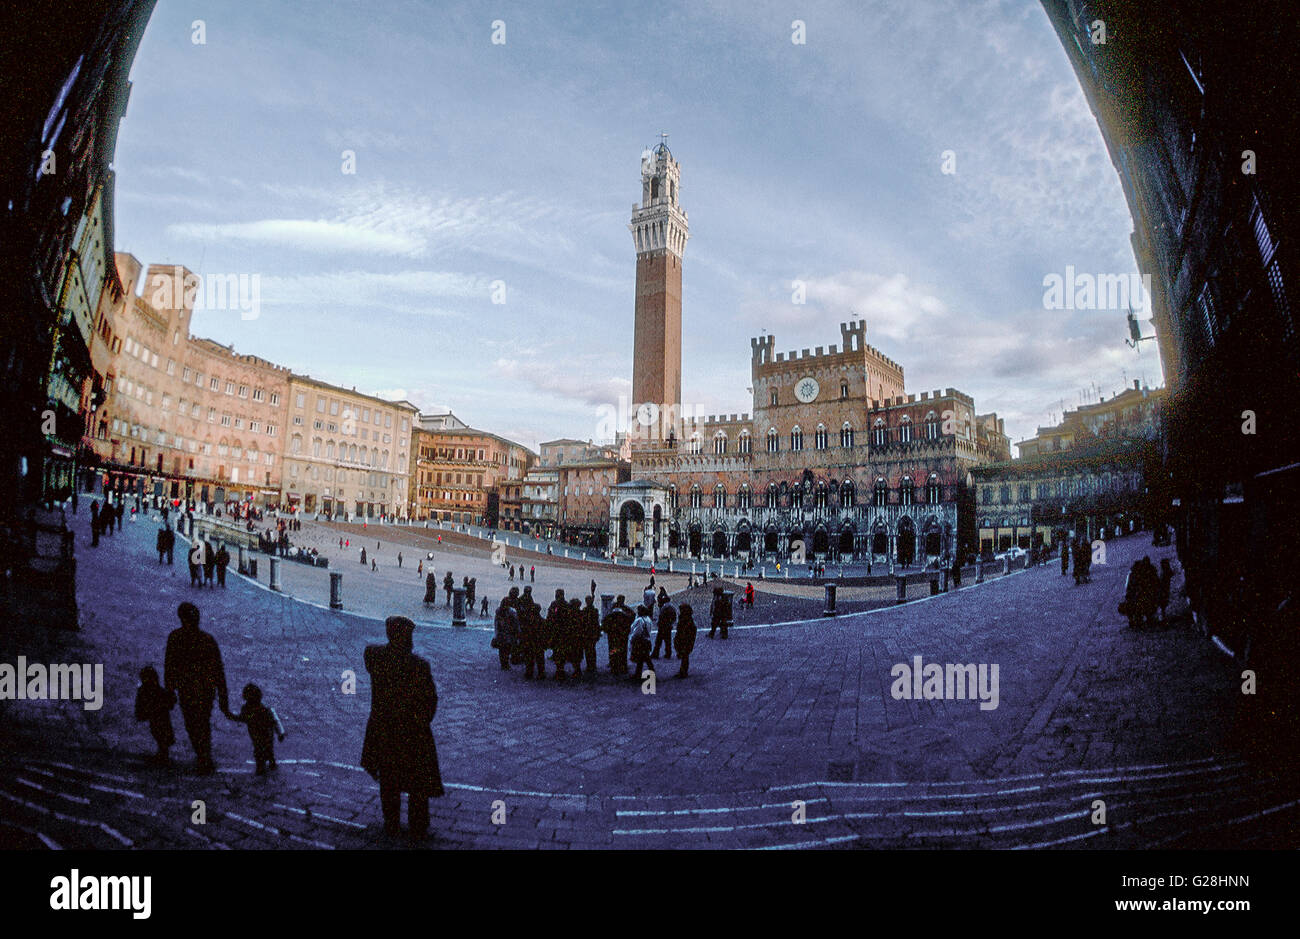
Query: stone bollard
{"points": [[243, 559], [606, 604], [1006, 564], [979, 570], [830, 601], [431, 587], [458, 606], [275, 574], [900, 582], [336, 590]]}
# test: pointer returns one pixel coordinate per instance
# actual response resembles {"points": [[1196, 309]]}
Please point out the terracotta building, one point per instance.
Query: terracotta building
{"points": [[457, 471]]}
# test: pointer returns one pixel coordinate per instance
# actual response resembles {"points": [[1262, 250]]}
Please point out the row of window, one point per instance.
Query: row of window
{"points": [[326, 449], [1060, 488], [880, 437], [820, 497], [314, 473], [351, 415]]}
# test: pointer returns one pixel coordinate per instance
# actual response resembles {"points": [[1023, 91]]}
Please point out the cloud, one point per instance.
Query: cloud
{"points": [[318, 235], [890, 304], [370, 288], [559, 379]]}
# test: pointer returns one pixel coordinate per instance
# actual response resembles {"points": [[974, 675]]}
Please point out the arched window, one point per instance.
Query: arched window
{"points": [[907, 491], [846, 435], [315, 447], [745, 443], [905, 430], [932, 490], [695, 497], [847, 494], [796, 497], [772, 497], [880, 434], [844, 389], [880, 495], [743, 497], [820, 437], [773, 441], [697, 443], [773, 397], [329, 449], [297, 443], [931, 426], [672, 497], [820, 496], [796, 439], [720, 497], [720, 443]]}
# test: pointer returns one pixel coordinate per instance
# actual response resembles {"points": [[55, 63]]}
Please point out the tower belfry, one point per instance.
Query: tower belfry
{"points": [[659, 230]]}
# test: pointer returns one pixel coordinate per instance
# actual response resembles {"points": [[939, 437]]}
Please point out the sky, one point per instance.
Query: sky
{"points": [[431, 215]]}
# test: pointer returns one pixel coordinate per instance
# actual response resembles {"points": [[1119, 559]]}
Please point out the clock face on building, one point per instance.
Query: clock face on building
{"points": [[806, 389]]}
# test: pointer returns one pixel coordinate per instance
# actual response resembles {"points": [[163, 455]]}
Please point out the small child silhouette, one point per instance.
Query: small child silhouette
{"points": [[263, 727], [153, 703]]}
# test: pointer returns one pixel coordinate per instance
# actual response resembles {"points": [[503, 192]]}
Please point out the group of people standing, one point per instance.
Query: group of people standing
{"points": [[572, 629], [1146, 591], [1076, 555]]}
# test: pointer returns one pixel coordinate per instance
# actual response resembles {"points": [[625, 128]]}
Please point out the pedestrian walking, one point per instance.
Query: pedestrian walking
{"points": [[194, 673], [590, 619], [161, 544], [399, 749], [263, 727], [154, 703], [209, 563], [399, 558], [448, 583], [195, 559], [532, 574], [685, 639]]}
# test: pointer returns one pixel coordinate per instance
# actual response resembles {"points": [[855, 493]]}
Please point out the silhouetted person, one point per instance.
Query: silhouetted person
{"points": [[667, 619], [195, 561], [154, 703], [161, 544], [223, 561], [209, 563], [192, 670], [263, 727], [557, 632], [618, 626], [685, 639], [399, 750], [1166, 579], [590, 619], [448, 583], [639, 641], [506, 638], [533, 630], [1065, 557]]}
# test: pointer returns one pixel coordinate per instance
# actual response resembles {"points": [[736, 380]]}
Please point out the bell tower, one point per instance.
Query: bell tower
{"points": [[659, 230]]}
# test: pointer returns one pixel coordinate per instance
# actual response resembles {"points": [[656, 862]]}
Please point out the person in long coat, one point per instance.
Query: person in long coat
{"points": [[507, 632], [685, 639], [399, 750]]}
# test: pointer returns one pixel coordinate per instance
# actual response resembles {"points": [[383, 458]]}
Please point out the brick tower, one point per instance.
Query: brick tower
{"points": [[659, 230]]}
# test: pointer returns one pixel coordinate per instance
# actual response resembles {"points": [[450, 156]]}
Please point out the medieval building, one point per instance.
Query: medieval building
{"points": [[835, 460]]}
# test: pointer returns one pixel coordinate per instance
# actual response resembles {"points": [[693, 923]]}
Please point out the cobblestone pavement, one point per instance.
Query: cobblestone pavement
{"points": [[783, 736]]}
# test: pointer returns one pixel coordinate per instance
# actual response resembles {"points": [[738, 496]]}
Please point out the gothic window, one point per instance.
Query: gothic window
{"points": [[932, 490], [720, 443], [695, 497], [773, 441], [931, 426], [796, 439], [796, 497], [880, 434], [720, 497], [742, 498], [846, 494], [745, 443], [772, 498], [907, 491], [1005, 495], [1024, 493], [697, 445], [821, 437], [844, 389], [672, 497], [820, 497], [905, 430], [880, 495], [846, 436]]}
